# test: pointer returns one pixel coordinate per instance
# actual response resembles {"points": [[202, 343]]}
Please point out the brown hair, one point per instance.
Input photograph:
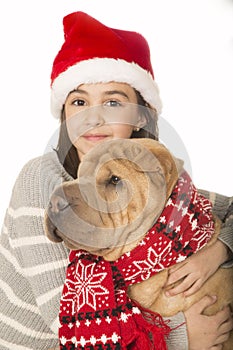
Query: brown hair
{"points": [[67, 153]]}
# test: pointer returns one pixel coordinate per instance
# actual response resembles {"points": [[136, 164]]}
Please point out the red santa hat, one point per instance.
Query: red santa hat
{"points": [[94, 53]]}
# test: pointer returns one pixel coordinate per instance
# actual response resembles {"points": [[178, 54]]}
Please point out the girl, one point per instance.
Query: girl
{"points": [[110, 68]]}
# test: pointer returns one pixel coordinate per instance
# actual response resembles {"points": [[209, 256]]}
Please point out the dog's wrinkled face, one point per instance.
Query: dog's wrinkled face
{"points": [[121, 189]]}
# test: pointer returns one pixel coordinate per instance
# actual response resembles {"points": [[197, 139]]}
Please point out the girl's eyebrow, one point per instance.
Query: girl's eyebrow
{"points": [[108, 92], [79, 91], [116, 92]]}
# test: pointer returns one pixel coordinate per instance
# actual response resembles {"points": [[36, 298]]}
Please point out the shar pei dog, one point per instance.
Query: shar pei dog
{"points": [[134, 205]]}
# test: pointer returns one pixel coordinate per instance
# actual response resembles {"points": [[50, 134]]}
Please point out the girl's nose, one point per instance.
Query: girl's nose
{"points": [[94, 116]]}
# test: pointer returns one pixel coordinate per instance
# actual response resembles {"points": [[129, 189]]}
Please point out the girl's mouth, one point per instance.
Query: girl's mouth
{"points": [[95, 137]]}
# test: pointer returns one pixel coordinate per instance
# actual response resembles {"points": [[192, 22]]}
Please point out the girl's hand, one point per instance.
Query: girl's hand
{"points": [[197, 269], [207, 332]]}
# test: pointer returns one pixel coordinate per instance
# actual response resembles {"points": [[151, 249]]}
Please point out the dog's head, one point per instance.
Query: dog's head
{"points": [[120, 191]]}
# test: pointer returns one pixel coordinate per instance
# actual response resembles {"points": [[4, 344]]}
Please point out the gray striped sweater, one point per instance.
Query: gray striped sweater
{"points": [[32, 269]]}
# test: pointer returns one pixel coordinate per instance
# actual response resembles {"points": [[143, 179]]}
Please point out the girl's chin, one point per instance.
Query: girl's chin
{"points": [[82, 152], [90, 145]]}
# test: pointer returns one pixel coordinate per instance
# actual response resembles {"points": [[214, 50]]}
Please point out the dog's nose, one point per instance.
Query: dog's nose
{"points": [[57, 204]]}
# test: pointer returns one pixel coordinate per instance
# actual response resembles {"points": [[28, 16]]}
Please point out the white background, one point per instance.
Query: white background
{"points": [[192, 54]]}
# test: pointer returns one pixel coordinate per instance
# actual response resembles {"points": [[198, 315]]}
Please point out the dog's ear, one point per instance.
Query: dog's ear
{"points": [[179, 165], [169, 166], [50, 230], [172, 166]]}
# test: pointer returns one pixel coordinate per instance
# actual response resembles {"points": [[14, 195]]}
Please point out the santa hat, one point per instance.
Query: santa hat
{"points": [[94, 53]]}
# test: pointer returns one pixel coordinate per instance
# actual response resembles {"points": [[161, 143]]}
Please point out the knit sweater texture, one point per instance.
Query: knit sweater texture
{"points": [[32, 269]]}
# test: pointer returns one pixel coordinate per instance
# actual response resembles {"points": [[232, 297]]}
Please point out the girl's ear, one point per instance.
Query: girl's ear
{"points": [[141, 121]]}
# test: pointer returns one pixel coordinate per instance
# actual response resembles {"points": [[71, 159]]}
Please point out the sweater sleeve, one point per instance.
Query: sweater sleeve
{"points": [[223, 208], [32, 268], [178, 338]]}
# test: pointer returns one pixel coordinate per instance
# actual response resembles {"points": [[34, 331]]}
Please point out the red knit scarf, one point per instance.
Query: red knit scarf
{"points": [[95, 311]]}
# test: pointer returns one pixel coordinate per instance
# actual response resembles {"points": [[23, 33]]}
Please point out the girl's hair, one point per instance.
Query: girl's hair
{"points": [[67, 153]]}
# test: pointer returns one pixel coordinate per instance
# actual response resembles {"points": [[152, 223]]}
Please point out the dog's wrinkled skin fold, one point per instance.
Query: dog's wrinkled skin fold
{"points": [[121, 189]]}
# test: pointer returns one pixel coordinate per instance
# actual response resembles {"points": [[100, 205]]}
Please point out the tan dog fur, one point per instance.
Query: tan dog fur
{"points": [[150, 293]]}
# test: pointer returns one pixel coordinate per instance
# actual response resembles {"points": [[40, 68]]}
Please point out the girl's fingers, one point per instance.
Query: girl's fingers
{"points": [[204, 302], [193, 289], [224, 316], [223, 338], [176, 267], [184, 286], [176, 274], [226, 327]]}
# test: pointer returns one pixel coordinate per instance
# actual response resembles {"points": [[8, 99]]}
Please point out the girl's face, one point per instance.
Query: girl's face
{"points": [[100, 112]]}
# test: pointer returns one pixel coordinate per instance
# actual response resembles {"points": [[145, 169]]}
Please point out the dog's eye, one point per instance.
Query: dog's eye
{"points": [[114, 180]]}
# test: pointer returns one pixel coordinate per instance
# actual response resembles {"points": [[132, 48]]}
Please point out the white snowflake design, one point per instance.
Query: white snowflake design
{"points": [[85, 287], [145, 267]]}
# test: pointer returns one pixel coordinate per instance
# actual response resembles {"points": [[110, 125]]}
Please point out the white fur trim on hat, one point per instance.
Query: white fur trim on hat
{"points": [[104, 70]]}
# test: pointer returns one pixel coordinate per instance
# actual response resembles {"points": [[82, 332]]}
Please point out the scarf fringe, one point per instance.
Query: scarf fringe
{"points": [[151, 331]]}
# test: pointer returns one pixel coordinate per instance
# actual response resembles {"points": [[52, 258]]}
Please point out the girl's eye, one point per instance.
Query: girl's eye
{"points": [[78, 102], [113, 103]]}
